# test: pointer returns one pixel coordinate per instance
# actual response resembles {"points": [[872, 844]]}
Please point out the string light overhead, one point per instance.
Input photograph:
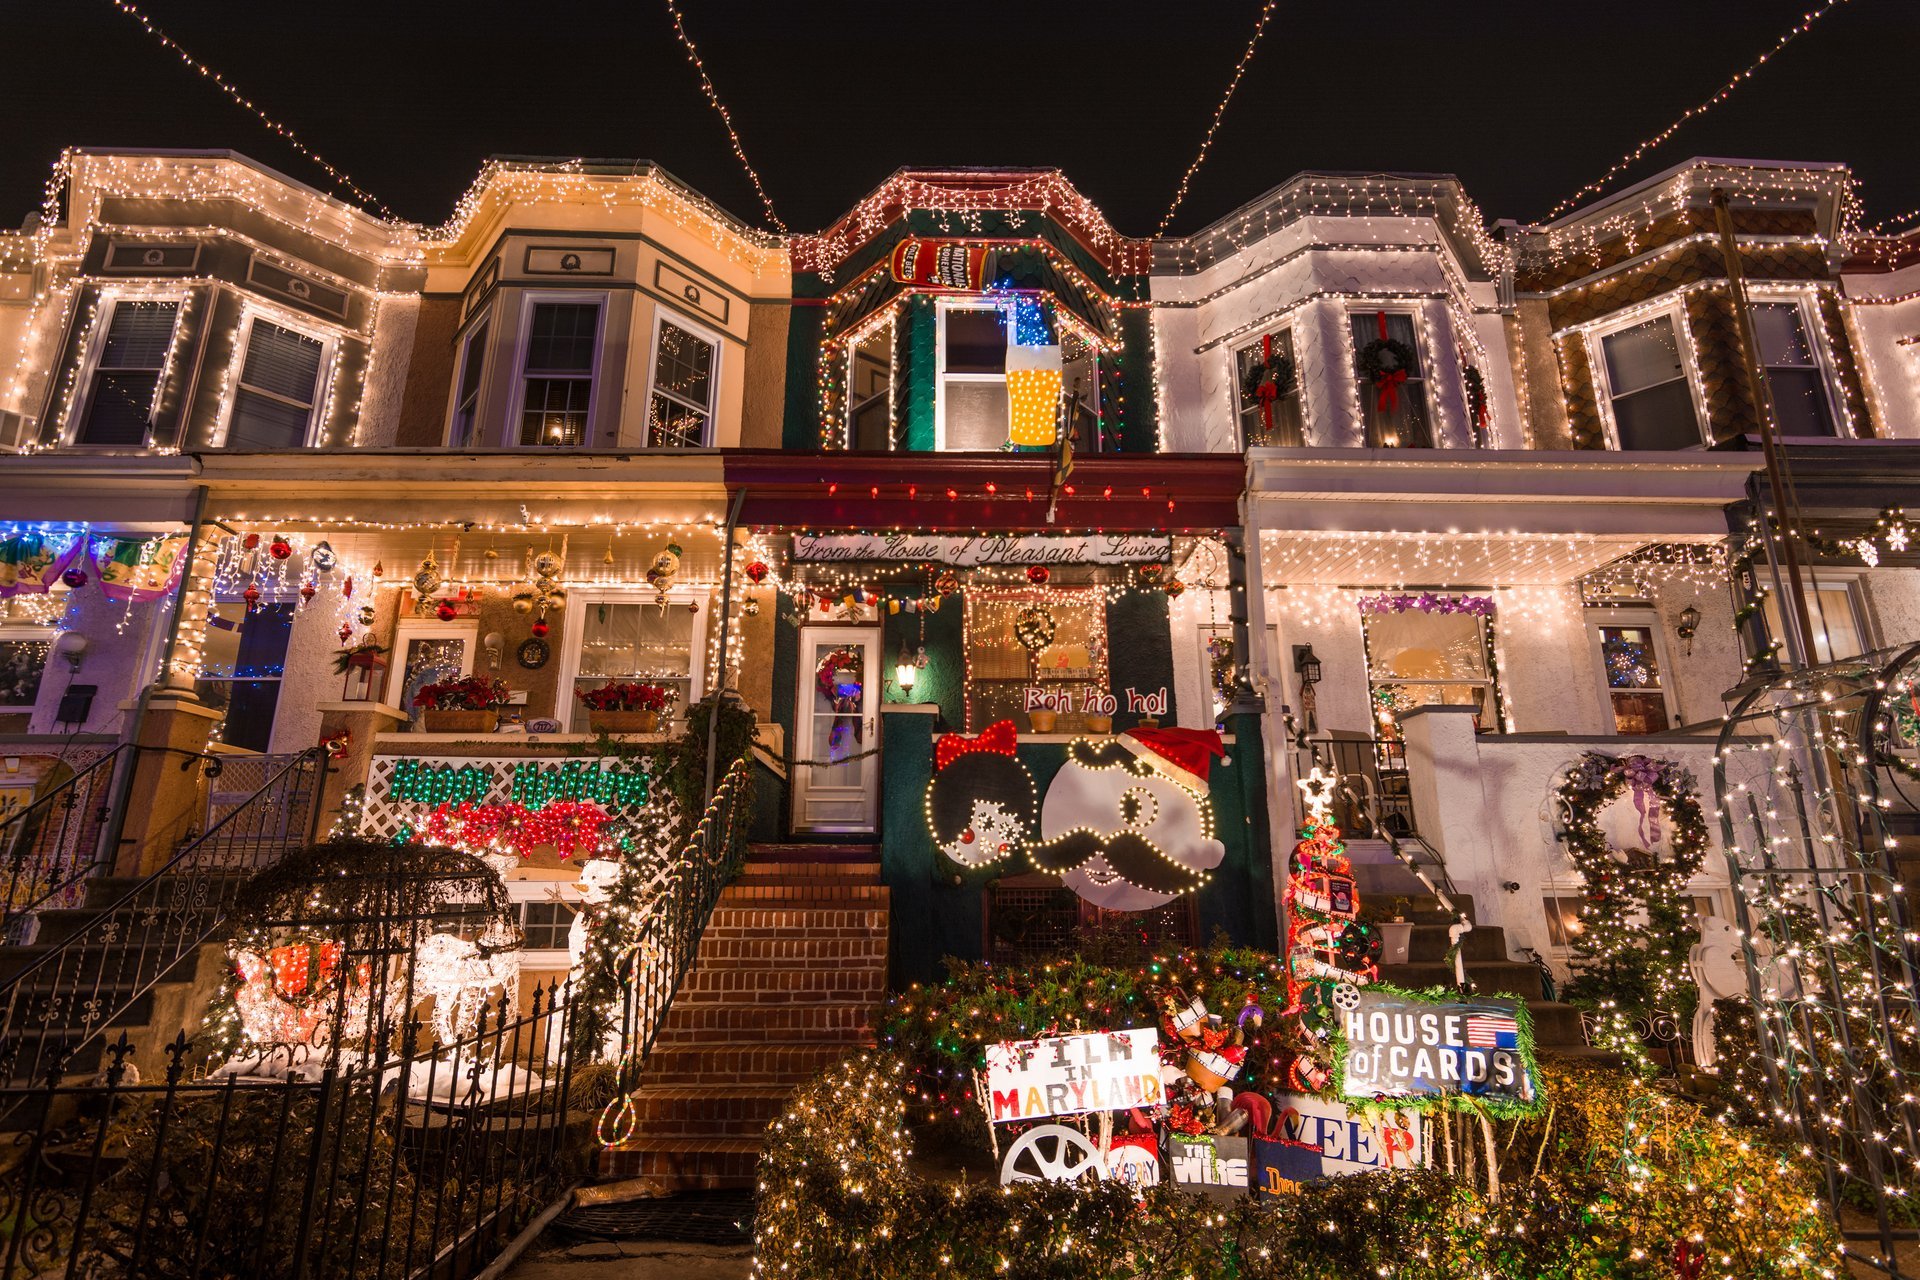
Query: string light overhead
{"points": [[226, 86], [1725, 91], [1219, 112], [726, 117]]}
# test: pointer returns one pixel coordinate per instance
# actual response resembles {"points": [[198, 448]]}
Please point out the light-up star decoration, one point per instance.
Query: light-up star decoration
{"points": [[1316, 792]]}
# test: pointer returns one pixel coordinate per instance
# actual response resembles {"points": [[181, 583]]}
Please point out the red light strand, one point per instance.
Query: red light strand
{"points": [[1725, 91], [1206, 144], [726, 117], [247, 104]]}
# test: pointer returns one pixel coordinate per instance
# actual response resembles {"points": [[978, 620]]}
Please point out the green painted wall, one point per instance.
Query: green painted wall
{"points": [[942, 681], [1139, 653]]}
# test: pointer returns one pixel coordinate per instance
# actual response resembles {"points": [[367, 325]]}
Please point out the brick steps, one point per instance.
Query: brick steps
{"points": [[790, 967]]}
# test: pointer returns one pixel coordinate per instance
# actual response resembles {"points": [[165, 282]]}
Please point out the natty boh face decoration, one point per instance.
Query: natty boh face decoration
{"points": [[1126, 823], [981, 802]]}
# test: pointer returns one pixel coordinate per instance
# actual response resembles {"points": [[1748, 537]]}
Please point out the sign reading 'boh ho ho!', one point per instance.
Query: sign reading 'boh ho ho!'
{"points": [[1068, 1075]]}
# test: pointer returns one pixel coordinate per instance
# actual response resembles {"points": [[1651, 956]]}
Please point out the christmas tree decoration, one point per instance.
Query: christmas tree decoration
{"points": [[981, 803], [664, 569], [251, 596], [307, 593], [757, 572], [427, 578], [446, 611]]}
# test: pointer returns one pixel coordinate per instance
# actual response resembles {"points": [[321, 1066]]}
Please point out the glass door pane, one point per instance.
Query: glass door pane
{"points": [[838, 723], [428, 661]]}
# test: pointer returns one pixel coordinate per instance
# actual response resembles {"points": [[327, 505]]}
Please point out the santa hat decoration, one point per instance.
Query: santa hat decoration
{"points": [[1181, 754]]}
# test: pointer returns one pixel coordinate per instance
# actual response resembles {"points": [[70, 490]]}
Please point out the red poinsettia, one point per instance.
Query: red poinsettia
{"points": [[473, 693], [618, 696], [1181, 1119]]}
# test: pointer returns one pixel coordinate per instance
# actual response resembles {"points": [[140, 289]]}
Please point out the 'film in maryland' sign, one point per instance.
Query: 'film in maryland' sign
{"points": [[1067, 1075], [1398, 1045]]}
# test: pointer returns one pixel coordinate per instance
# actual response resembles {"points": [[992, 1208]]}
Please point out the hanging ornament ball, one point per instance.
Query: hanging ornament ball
{"points": [[545, 584], [379, 569], [539, 630], [693, 606], [947, 583], [307, 592], [1175, 586], [427, 579], [757, 571], [522, 604], [346, 632], [1152, 572], [252, 596], [279, 548], [323, 558], [75, 578], [546, 564], [251, 541], [365, 615], [446, 612], [1037, 574], [491, 554], [750, 608]]}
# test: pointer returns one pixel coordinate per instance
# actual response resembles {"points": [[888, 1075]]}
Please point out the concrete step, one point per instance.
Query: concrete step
{"points": [[695, 1024], [79, 966], [689, 1164], [1490, 977], [1556, 1026], [800, 851], [772, 1062]]}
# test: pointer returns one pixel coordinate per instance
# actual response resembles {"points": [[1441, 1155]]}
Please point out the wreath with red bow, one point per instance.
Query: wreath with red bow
{"points": [[1269, 378], [1387, 363], [837, 671]]}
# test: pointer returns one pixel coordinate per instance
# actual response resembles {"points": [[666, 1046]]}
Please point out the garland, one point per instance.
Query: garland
{"points": [[1386, 363], [1635, 966]]}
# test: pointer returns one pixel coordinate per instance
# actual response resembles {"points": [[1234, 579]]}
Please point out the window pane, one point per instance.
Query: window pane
{"points": [[22, 663], [560, 337], [1632, 662], [672, 425], [555, 411], [138, 336], [1659, 418], [261, 422], [976, 342], [869, 391], [545, 925], [1836, 628], [244, 657], [1563, 921], [117, 412], [1426, 646], [836, 725], [999, 667], [1284, 410], [683, 367], [282, 362], [1635, 713], [1644, 356], [1402, 421], [976, 415], [466, 404], [635, 641], [1800, 401], [1782, 336]]}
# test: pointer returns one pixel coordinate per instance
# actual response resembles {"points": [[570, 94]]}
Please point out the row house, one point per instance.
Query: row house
{"points": [[949, 494]]}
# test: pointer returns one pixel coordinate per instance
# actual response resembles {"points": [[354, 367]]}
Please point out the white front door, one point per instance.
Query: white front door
{"points": [[836, 722]]}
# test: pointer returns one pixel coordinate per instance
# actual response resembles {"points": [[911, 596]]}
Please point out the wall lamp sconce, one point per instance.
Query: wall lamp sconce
{"points": [[1686, 625], [73, 647], [1307, 667], [906, 671], [494, 643]]}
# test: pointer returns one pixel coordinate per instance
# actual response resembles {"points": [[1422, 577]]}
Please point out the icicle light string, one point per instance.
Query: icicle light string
{"points": [[241, 100], [1725, 91], [1219, 112], [726, 117]]}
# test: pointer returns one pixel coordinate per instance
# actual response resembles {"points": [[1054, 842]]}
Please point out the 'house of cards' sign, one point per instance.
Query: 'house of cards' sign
{"points": [[1039, 548], [1398, 1045], [1066, 1075]]}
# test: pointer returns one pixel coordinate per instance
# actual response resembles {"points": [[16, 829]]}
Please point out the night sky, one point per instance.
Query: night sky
{"points": [[1524, 103]]}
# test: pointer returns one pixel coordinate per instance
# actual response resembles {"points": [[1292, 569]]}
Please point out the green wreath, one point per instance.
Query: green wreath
{"points": [[1034, 628], [1278, 370], [1384, 357]]}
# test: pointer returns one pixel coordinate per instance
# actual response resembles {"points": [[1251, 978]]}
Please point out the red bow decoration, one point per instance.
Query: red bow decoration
{"points": [[1268, 391], [1387, 381], [999, 737], [1689, 1259]]}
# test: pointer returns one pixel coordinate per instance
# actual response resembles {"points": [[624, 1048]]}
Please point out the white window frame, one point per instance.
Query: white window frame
{"points": [[1808, 303], [1299, 384], [891, 327], [1650, 620], [529, 299], [1413, 310], [666, 315], [17, 633], [237, 362], [942, 308], [464, 352], [1676, 315], [97, 346], [573, 632], [523, 891], [407, 630]]}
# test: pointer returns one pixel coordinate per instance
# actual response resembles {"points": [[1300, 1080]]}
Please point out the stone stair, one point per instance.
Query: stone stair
{"points": [[784, 984], [1556, 1026]]}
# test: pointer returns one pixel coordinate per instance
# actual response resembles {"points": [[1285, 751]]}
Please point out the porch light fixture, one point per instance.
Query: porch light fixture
{"points": [[906, 671], [73, 647], [1305, 664], [1688, 623]]}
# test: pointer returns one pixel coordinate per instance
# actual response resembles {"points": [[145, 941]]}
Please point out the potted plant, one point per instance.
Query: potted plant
{"points": [[625, 707], [468, 705]]}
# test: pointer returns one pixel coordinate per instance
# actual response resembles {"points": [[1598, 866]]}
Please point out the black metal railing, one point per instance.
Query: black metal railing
{"points": [[418, 1161], [1383, 767], [663, 946], [91, 965], [53, 845]]}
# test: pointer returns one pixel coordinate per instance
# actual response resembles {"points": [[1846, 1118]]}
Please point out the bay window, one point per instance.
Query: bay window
{"points": [[123, 384], [1393, 385], [462, 431], [680, 407], [557, 372], [1794, 376], [1267, 391], [277, 394], [1647, 386]]}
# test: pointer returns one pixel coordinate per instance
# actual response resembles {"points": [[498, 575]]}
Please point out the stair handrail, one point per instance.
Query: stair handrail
{"points": [[210, 907], [669, 939], [1369, 800], [19, 823]]}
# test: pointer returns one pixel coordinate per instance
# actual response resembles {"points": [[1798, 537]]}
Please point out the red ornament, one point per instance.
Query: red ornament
{"points": [[693, 606], [1151, 572], [1175, 586], [539, 630], [279, 548], [75, 578], [307, 592], [252, 596], [251, 541], [1037, 574], [757, 571], [446, 612], [346, 590], [346, 632]]}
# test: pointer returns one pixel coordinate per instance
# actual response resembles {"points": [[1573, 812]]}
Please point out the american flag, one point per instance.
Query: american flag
{"points": [[1492, 1031]]}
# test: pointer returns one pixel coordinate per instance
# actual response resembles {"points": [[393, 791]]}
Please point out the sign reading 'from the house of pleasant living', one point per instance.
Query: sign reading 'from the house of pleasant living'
{"points": [[1039, 548], [1066, 1075]]}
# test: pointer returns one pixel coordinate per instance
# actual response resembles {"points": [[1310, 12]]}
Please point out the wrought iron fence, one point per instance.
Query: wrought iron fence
{"points": [[93, 964], [1826, 930], [1376, 771], [418, 1160], [53, 845]]}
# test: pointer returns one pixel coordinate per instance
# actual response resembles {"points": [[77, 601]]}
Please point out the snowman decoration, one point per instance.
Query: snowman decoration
{"points": [[1126, 823]]}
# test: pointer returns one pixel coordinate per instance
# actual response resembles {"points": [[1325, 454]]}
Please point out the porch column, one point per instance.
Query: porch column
{"points": [[348, 759], [1450, 809], [167, 797]]}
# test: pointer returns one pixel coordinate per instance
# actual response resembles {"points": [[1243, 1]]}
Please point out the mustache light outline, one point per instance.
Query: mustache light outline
{"points": [[1137, 860]]}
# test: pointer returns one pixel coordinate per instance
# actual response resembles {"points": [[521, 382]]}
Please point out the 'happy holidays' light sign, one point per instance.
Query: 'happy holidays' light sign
{"points": [[1015, 549]]}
